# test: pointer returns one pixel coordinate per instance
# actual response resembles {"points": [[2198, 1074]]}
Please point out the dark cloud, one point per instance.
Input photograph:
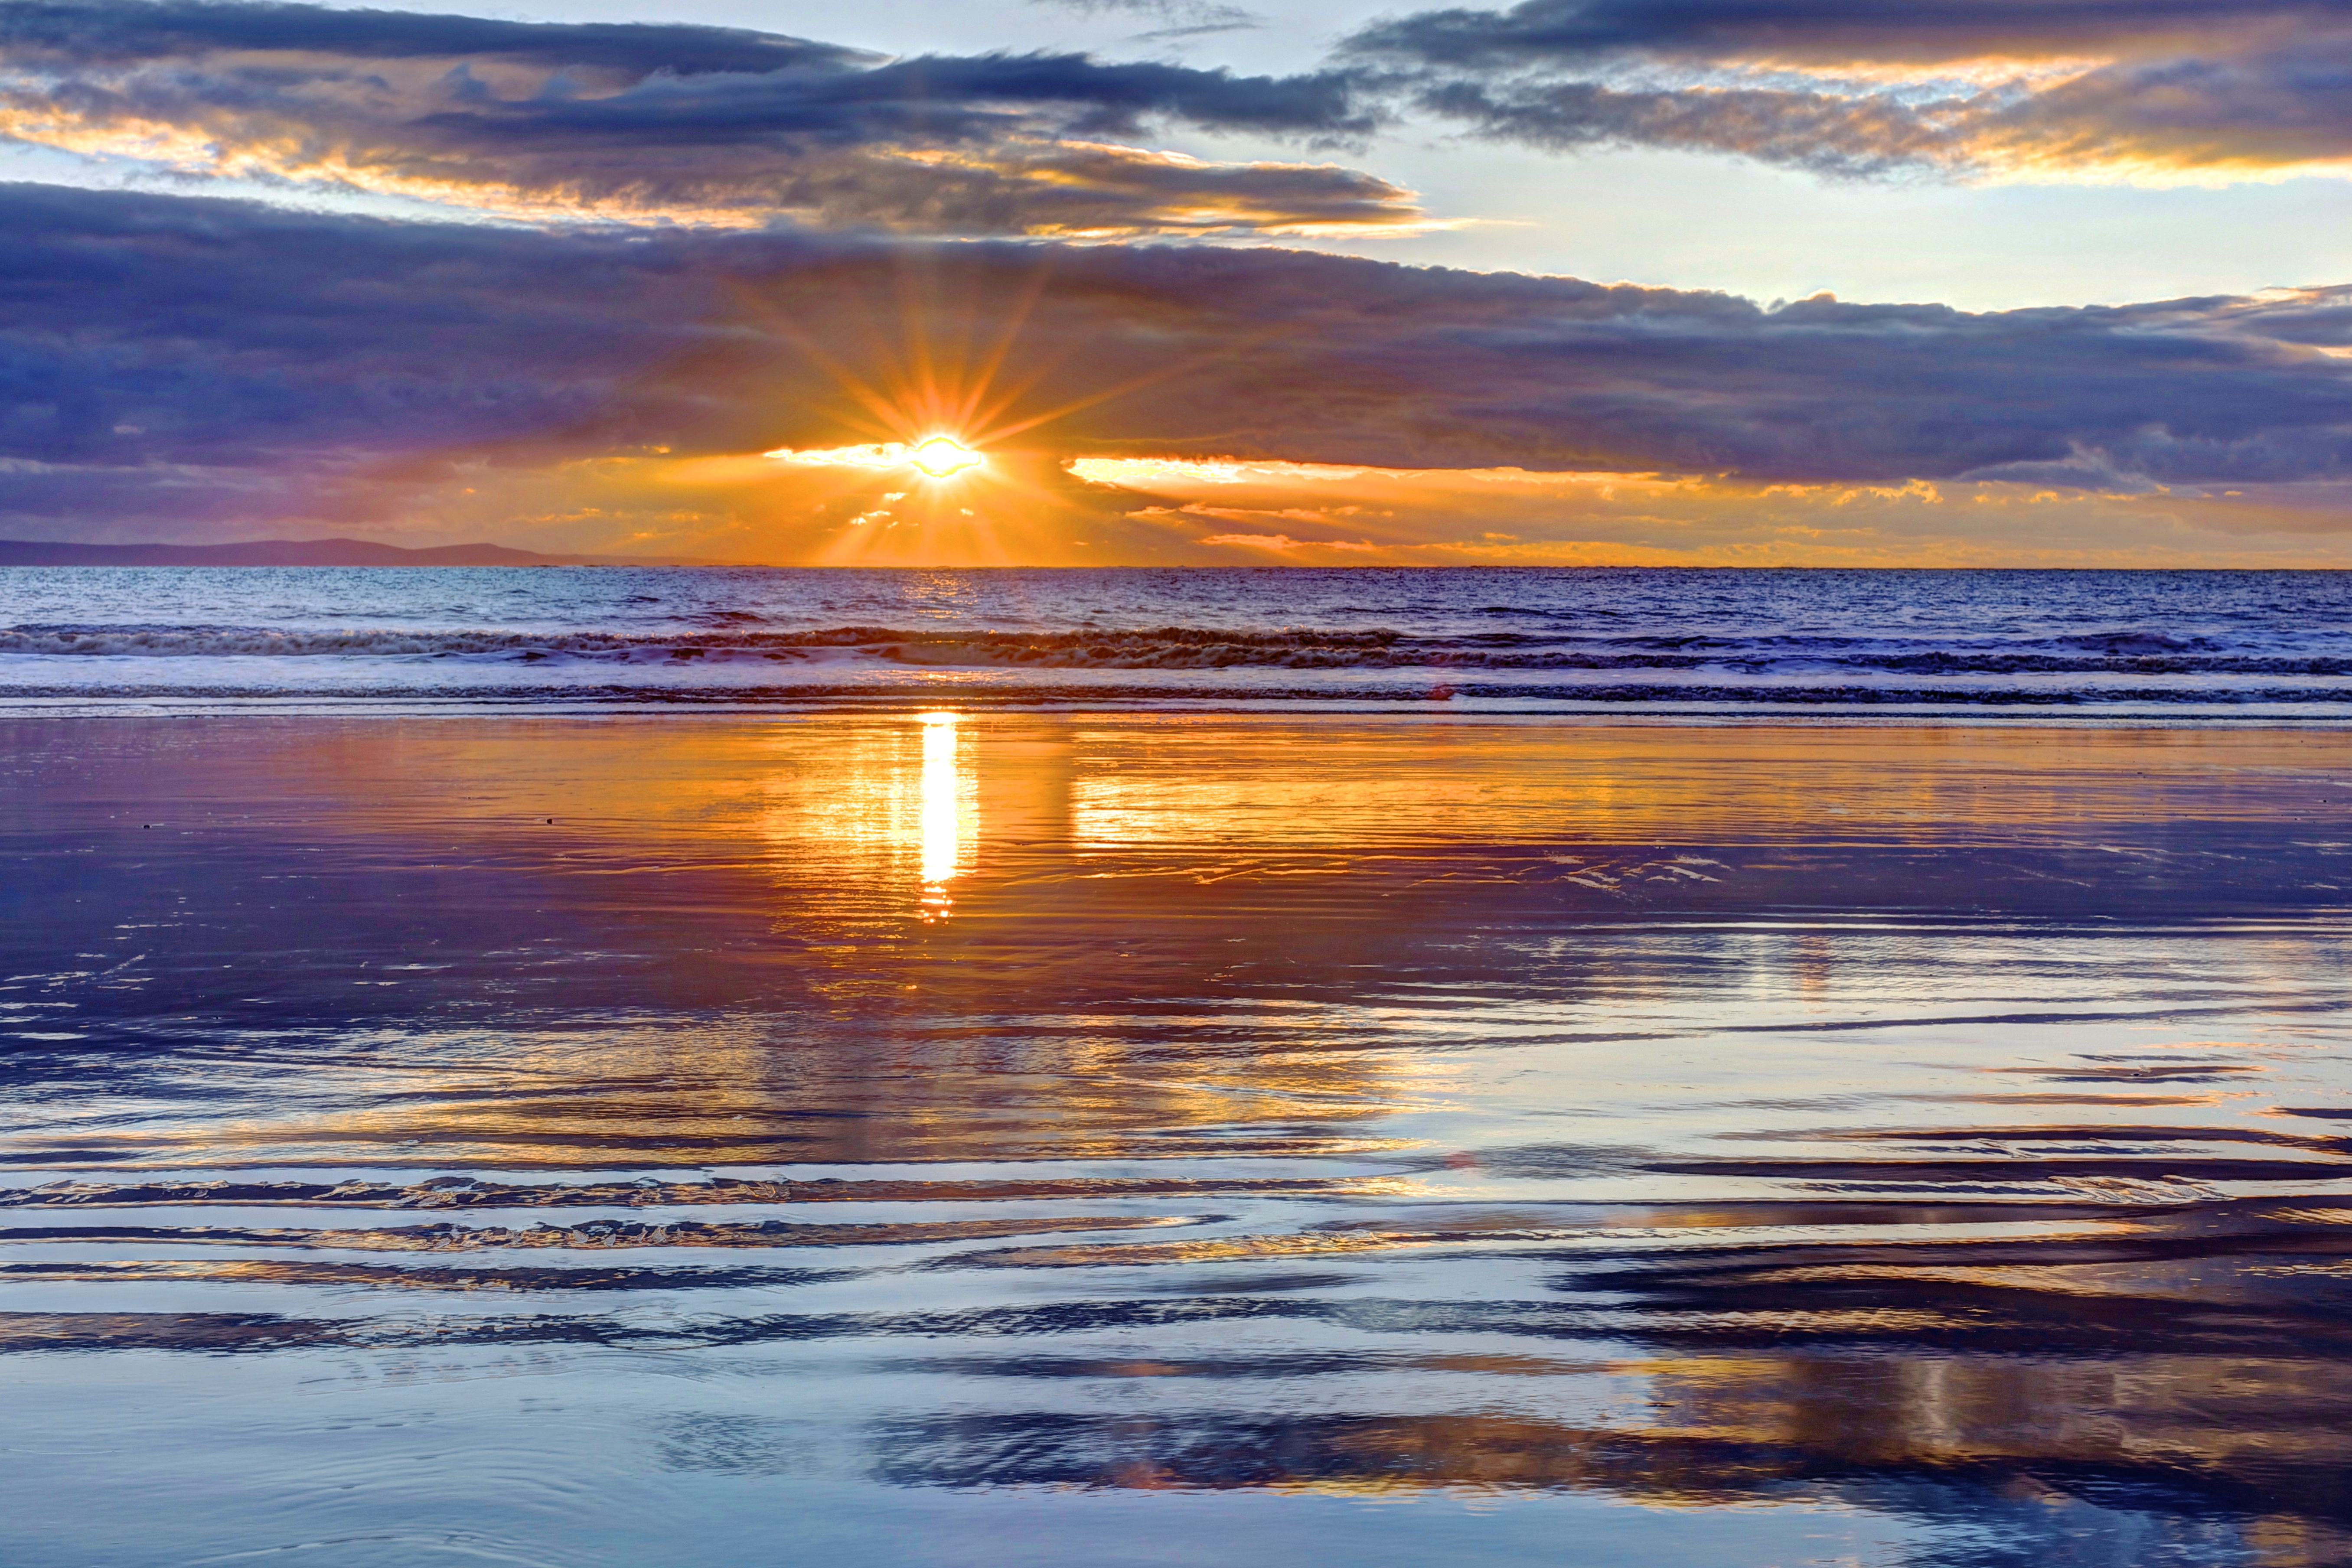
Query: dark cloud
{"points": [[1828, 135], [77, 33], [187, 359], [696, 124], [1832, 31], [2156, 91]]}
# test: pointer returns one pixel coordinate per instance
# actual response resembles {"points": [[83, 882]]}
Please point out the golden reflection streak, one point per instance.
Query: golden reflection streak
{"points": [[944, 814]]}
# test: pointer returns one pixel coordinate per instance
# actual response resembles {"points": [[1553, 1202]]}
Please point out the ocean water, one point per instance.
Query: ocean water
{"points": [[2166, 645], [944, 1117]]}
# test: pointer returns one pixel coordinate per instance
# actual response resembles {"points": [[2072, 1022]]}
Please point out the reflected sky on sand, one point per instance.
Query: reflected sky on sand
{"points": [[940, 1138]]}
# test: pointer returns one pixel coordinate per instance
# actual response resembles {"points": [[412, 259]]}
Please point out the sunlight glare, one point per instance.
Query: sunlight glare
{"points": [[941, 456]]}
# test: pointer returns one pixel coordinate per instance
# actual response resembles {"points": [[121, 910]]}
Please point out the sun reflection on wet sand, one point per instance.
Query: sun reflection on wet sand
{"points": [[947, 813]]}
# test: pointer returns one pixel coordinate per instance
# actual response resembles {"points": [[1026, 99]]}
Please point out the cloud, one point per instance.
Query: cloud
{"points": [[1177, 18], [174, 365], [2152, 91], [690, 123], [725, 126], [1435, 517], [2080, 469], [1253, 541]]}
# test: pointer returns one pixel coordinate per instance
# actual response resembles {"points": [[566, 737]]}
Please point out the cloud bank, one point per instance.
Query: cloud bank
{"points": [[691, 123], [721, 126], [184, 366], [2148, 91]]}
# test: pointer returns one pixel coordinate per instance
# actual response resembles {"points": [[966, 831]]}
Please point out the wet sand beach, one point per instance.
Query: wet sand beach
{"points": [[972, 1138]]}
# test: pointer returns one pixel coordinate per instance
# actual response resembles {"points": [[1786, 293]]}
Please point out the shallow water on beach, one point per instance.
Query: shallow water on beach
{"points": [[981, 1138]]}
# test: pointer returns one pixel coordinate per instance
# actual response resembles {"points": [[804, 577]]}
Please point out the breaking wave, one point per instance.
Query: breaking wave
{"points": [[1156, 647]]}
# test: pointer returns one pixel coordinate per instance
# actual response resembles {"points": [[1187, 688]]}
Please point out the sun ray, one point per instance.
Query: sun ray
{"points": [[1016, 317], [937, 396], [1241, 344]]}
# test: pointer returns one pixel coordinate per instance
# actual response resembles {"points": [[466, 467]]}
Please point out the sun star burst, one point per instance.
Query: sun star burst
{"points": [[942, 456]]}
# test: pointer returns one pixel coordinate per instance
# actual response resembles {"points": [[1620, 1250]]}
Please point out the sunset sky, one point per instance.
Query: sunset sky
{"points": [[1869, 282]]}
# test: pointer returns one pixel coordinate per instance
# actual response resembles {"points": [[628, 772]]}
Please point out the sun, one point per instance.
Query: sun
{"points": [[941, 456]]}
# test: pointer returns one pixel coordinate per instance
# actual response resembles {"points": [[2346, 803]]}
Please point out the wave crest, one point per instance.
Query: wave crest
{"points": [[1163, 648]]}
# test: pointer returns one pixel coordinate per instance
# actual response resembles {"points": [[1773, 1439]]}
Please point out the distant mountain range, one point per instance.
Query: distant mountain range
{"points": [[288, 552]]}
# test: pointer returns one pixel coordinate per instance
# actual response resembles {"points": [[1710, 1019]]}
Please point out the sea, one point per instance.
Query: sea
{"points": [[614, 1067], [2165, 645]]}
